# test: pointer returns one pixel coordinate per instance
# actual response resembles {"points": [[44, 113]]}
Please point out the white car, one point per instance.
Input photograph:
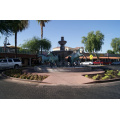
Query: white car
{"points": [[10, 63], [86, 63]]}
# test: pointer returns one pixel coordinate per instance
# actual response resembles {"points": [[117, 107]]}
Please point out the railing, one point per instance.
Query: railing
{"points": [[2, 50]]}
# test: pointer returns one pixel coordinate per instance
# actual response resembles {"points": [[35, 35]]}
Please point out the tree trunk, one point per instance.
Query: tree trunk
{"points": [[41, 36], [15, 44], [96, 56]]}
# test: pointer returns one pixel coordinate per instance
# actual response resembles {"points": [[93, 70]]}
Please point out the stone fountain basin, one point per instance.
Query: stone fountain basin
{"points": [[62, 69]]}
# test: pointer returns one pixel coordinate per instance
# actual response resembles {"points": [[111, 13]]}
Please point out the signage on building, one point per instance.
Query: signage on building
{"points": [[101, 55]]}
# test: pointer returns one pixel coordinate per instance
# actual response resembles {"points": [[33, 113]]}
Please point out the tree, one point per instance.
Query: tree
{"points": [[6, 27], [32, 45], [42, 24], [45, 44], [35, 44], [110, 51], [18, 25], [93, 42], [115, 44]]}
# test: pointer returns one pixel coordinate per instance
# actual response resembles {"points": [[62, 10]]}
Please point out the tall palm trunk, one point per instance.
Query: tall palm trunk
{"points": [[41, 35], [15, 44]]}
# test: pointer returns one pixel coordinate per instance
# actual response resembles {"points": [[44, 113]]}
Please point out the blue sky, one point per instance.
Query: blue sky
{"points": [[72, 30]]}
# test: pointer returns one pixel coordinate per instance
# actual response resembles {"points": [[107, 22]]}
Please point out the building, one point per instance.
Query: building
{"points": [[70, 49], [25, 56], [101, 56]]}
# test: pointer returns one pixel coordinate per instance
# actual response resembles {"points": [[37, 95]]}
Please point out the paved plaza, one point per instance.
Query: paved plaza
{"points": [[59, 86]]}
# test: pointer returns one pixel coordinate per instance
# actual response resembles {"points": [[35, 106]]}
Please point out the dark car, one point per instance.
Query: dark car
{"points": [[116, 63]]}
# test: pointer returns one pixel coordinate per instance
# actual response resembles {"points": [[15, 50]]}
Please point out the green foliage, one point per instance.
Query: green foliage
{"points": [[109, 71], [109, 74], [115, 45], [96, 77], [35, 44], [93, 42], [110, 51], [32, 77], [35, 77], [105, 77], [42, 22], [118, 73], [45, 44], [19, 25], [23, 76], [18, 74], [86, 76], [6, 26]]}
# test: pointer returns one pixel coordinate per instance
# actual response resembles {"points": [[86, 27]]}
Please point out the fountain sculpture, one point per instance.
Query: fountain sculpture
{"points": [[59, 56], [62, 53]]}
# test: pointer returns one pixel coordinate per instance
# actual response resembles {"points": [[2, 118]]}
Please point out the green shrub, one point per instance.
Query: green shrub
{"points": [[17, 75], [22, 76], [86, 76], [28, 76], [105, 77], [39, 77], [118, 73], [35, 77], [96, 77], [32, 77]]}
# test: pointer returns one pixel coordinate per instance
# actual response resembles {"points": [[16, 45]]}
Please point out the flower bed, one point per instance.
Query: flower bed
{"points": [[19, 74], [107, 75]]}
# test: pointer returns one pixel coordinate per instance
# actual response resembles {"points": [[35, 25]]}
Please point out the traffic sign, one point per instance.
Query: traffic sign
{"points": [[91, 56]]}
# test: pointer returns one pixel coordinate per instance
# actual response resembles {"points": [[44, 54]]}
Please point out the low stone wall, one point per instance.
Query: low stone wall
{"points": [[62, 69], [113, 67]]}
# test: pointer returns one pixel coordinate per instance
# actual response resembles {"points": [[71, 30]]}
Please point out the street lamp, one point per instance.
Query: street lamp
{"points": [[6, 42]]}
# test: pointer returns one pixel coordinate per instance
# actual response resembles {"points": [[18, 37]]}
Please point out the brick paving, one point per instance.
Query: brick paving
{"points": [[65, 78]]}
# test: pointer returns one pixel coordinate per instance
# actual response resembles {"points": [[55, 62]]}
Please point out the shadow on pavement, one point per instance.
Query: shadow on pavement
{"points": [[1, 76]]}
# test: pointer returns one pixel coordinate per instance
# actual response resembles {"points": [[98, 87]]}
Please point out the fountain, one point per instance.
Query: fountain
{"points": [[62, 53], [60, 56]]}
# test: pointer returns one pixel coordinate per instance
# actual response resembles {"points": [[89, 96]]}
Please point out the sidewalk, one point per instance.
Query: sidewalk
{"points": [[65, 78]]}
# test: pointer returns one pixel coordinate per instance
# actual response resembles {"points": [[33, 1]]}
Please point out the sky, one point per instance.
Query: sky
{"points": [[72, 30]]}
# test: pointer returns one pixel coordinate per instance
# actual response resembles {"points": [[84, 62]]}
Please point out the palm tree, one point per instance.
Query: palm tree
{"points": [[42, 24], [6, 27], [18, 25]]}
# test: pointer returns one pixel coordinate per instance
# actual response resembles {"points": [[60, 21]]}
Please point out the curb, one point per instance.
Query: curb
{"points": [[104, 81]]}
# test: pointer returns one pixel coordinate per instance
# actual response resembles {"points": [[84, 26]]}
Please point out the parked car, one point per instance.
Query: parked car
{"points": [[86, 63], [10, 63], [98, 62], [116, 63]]}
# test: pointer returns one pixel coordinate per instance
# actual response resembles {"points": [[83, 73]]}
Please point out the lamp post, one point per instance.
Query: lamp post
{"points": [[6, 42]]}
